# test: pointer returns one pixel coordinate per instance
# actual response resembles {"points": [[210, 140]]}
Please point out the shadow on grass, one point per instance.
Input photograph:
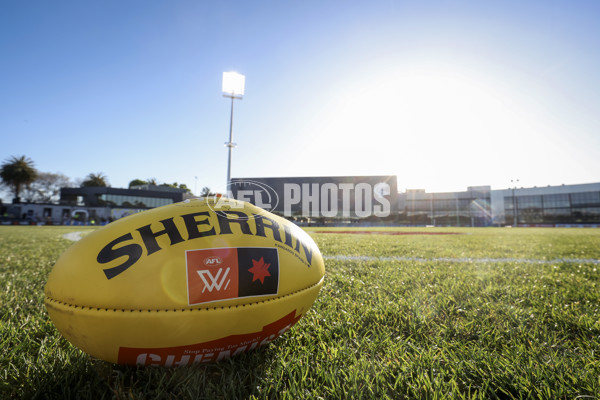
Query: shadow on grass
{"points": [[83, 377]]}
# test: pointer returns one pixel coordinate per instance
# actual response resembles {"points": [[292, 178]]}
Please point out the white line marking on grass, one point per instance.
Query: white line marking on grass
{"points": [[466, 259], [73, 236]]}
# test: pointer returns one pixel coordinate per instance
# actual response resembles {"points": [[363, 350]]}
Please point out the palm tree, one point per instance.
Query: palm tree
{"points": [[137, 182], [16, 172], [95, 180], [206, 192]]}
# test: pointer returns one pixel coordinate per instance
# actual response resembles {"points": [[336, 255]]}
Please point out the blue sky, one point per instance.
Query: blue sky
{"points": [[443, 94]]}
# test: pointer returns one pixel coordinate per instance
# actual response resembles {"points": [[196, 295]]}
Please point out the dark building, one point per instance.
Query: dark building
{"points": [[146, 196], [336, 197]]}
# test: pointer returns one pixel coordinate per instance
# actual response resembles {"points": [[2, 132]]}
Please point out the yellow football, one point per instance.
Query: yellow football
{"points": [[191, 282]]}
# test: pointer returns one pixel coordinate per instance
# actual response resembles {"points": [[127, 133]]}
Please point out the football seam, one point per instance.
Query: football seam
{"points": [[64, 304]]}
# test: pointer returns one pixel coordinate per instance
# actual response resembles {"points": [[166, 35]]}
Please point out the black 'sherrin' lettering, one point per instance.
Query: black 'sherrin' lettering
{"points": [[149, 237], [193, 222], [225, 222], [272, 225], [133, 251]]}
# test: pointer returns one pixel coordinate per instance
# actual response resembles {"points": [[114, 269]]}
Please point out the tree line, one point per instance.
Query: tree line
{"points": [[28, 184]]}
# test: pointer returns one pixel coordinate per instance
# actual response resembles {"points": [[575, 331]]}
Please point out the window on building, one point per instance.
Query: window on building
{"points": [[556, 200], [133, 201], [585, 199], [509, 202], [590, 214], [524, 202]]}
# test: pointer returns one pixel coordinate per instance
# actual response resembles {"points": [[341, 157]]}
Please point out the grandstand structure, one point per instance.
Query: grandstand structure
{"points": [[469, 208], [549, 205], [564, 205]]}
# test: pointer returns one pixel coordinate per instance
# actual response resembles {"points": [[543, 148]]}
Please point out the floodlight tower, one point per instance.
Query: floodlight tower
{"points": [[233, 87]]}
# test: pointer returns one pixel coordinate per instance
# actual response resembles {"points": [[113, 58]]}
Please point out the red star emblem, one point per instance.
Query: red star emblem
{"points": [[259, 270]]}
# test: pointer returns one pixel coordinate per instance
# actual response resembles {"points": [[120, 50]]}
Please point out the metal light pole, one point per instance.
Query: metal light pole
{"points": [[233, 87]]}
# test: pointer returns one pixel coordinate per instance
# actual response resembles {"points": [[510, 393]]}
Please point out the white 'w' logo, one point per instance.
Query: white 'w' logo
{"points": [[214, 280]]}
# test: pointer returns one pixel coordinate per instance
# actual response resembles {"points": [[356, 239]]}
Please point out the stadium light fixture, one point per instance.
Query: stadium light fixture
{"points": [[233, 87]]}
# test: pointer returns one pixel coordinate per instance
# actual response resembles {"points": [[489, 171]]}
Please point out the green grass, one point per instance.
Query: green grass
{"points": [[379, 329]]}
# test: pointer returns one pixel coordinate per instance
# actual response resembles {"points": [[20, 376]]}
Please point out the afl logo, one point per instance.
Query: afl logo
{"points": [[244, 190], [212, 260]]}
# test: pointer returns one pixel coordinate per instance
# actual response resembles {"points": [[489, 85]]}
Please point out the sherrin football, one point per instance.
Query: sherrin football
{"points": [[191, 282]]}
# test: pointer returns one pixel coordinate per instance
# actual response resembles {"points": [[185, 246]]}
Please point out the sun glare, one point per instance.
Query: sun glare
{"points": [[450, 121], [426, 106]]}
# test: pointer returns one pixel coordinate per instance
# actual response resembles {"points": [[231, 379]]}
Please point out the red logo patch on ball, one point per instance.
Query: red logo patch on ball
{"points": [[230, 272], [209, 351]]}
